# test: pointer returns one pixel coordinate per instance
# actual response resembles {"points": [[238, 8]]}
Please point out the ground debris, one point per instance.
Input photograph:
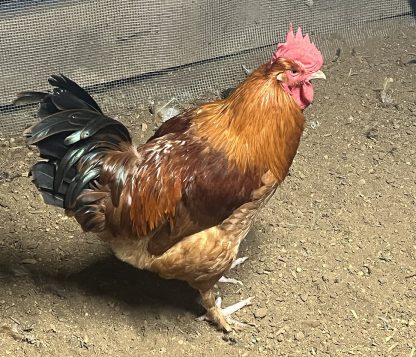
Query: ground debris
{"points": [[23, 335], [385, 95], [6, 176], [392, 347], [337, 55], [83, 342], [10, 331], [165, 110]]}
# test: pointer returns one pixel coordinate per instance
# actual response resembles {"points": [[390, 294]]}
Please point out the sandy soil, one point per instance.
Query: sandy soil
{"points": [[332, 258]]}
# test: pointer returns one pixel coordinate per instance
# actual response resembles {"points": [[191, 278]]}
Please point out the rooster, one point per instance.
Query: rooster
{"points": [[180, 204]]}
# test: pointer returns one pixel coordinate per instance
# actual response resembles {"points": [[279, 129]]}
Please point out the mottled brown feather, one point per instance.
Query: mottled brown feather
{"points": [[178, 124], [187, 189]]}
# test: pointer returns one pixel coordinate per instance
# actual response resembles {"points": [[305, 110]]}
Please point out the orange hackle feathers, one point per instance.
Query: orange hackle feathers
{"points": [[258, 126]]}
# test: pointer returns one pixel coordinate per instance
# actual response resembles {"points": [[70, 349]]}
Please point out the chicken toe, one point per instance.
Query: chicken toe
{"points": [[229, 310], [224, 279], [221, 316], [238, 262]]}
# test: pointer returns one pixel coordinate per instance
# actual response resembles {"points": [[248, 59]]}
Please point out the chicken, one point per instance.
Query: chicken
{"points": [[180, 204]]}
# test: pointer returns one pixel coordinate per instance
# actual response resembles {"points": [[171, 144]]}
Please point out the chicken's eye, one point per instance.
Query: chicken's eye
{"points": [[294, 72]]}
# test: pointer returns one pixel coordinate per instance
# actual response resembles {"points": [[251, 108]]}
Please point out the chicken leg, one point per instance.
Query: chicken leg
{"points": [[217, 315]]}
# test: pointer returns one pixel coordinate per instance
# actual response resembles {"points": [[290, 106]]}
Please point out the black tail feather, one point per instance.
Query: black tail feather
{"points": [[63, 82], [79, 182], [43, 175], [24, 98], [73, 136], [53, 147]]}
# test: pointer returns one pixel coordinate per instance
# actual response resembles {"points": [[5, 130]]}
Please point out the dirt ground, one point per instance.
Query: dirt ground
{"points": [[332, 258]]}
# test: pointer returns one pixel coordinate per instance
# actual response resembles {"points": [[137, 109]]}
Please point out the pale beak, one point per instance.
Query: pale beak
{"points": [[279, 77], [318, 75]]}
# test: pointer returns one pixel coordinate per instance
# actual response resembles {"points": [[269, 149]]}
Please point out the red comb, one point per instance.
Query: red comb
{"points": [[299, 48]]}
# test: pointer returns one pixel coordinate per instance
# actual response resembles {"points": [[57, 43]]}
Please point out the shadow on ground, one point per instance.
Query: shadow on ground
{"points": [[106, 277]]}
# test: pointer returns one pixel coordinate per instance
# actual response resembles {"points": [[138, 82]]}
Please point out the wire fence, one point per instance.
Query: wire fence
{"points": [[136, 52]]}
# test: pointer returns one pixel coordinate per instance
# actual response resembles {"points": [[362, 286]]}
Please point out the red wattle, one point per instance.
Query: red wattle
{"points": [[303, 95]]}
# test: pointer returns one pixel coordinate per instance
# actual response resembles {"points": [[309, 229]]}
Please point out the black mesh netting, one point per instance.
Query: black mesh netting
{"points": [[139, 51]]}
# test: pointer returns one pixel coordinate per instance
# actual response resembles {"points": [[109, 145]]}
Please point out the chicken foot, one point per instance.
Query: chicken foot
{"points": [[235, 263], [216, 314]]}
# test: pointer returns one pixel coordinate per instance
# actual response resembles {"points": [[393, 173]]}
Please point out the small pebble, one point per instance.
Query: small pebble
{"points": [[311, 323], [299, 336], [354, 314], [260, 313]]}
